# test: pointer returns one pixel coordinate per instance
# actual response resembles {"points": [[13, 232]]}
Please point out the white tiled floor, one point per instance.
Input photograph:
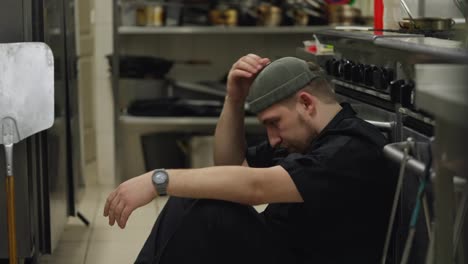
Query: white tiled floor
{"points": [[99, 242]]}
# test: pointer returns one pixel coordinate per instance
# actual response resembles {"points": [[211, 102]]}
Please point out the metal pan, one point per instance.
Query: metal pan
{"points": [[427, 23]]}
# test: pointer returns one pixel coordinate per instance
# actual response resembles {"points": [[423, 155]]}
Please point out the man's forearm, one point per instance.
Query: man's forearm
{"points": [[237, 184], [229, 147], [229, 183]]}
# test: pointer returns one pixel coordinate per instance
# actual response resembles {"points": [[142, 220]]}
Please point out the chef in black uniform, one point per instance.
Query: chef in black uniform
{"points": [[321, 171]]}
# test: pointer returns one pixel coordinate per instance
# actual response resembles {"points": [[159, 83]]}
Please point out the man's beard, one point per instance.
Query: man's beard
{"points": [[302, 147]]}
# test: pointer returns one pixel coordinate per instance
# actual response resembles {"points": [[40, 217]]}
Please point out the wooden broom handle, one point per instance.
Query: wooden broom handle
{"points": [[10, 188]]}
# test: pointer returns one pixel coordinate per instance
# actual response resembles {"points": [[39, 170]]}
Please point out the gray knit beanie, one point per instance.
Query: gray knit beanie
{"points": [[280, 80]]}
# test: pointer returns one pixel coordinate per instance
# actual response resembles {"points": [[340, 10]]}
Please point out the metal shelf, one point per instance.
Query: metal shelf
{"points": [[410, 46], [362, 89], [364, 35], [320, 59], [179, 122], [438, 49], [135, 30]]}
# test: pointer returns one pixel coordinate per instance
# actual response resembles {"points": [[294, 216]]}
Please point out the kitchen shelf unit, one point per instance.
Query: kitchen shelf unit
{"points": [[221, 45]]}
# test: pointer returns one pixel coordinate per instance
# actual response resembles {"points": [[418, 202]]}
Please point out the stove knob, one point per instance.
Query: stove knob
{"points": [[336, 68], [329, 66], [395, 91], [347, 70], [357, 73], [380, 79], [377, 78], [369, 75], [390, 74], [407, 95]]}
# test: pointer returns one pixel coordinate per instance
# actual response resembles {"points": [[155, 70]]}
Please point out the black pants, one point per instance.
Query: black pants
{"points": [[208, 231]]}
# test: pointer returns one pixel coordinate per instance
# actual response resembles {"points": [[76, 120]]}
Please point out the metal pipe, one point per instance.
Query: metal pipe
{"points": [[430, 250], [401, 174], [408, 245], [383, 126], [427, 216], [459, 221], [405, 6], [9, 159], [394, 153], [459, 184]]}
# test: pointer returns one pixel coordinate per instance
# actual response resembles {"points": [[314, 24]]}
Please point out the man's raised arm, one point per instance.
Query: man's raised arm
{"points": [[230, 146]]}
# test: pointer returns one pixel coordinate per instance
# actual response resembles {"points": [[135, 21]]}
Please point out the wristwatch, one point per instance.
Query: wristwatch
{"points": [[160, 180]]}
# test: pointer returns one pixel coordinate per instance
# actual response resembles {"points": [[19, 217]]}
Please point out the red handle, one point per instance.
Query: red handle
{"points": [[378, 14]]}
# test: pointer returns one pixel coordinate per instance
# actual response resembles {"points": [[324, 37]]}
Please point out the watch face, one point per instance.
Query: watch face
{"points": [[160, 177]]}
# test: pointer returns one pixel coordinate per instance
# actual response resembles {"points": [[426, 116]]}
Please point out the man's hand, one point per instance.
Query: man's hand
{"points": [[242, 74], [130, 195]]}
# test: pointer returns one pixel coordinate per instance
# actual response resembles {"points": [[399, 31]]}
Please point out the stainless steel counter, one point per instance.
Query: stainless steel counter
{"points": [[412, 48]]}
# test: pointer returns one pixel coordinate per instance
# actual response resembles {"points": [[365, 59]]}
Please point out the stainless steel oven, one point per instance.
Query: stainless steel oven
{"points": [[379, 73]]}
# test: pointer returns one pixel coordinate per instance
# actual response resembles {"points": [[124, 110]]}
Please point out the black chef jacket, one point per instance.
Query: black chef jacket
{"points": [[347, 192]]}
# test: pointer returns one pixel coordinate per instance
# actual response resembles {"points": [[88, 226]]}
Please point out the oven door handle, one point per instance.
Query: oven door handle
{"points": [[395, 153], [399, 153], [383, 126]]}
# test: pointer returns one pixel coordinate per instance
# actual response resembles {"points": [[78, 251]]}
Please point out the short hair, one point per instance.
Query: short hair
{"points": [[320, 87]]}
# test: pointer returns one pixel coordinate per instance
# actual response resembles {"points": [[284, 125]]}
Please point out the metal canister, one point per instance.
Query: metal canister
{"points": [[154, 15], [269, 15], [230, 17], [216, 17], [141, 16], [301, 18]]}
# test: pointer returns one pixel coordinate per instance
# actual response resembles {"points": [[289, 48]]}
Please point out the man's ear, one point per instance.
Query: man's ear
{"points": [[306, 101]]}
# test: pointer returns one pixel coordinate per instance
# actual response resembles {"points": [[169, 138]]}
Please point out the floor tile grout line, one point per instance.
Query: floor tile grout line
{"points": [[92, 226]]}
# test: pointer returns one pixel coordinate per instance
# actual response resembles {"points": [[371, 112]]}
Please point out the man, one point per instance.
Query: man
{"points": [[321, 172]]}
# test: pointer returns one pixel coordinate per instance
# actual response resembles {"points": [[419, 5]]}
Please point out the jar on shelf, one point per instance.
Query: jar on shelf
{"points": [[154, 15], [128, 14], [301, 18], [150, 14], [269, 15], [230, 16], [140, 16], [223, 14]]}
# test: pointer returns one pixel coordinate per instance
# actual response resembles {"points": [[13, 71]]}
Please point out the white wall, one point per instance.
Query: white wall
{"points": [[437, 8], [104, 108]]}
